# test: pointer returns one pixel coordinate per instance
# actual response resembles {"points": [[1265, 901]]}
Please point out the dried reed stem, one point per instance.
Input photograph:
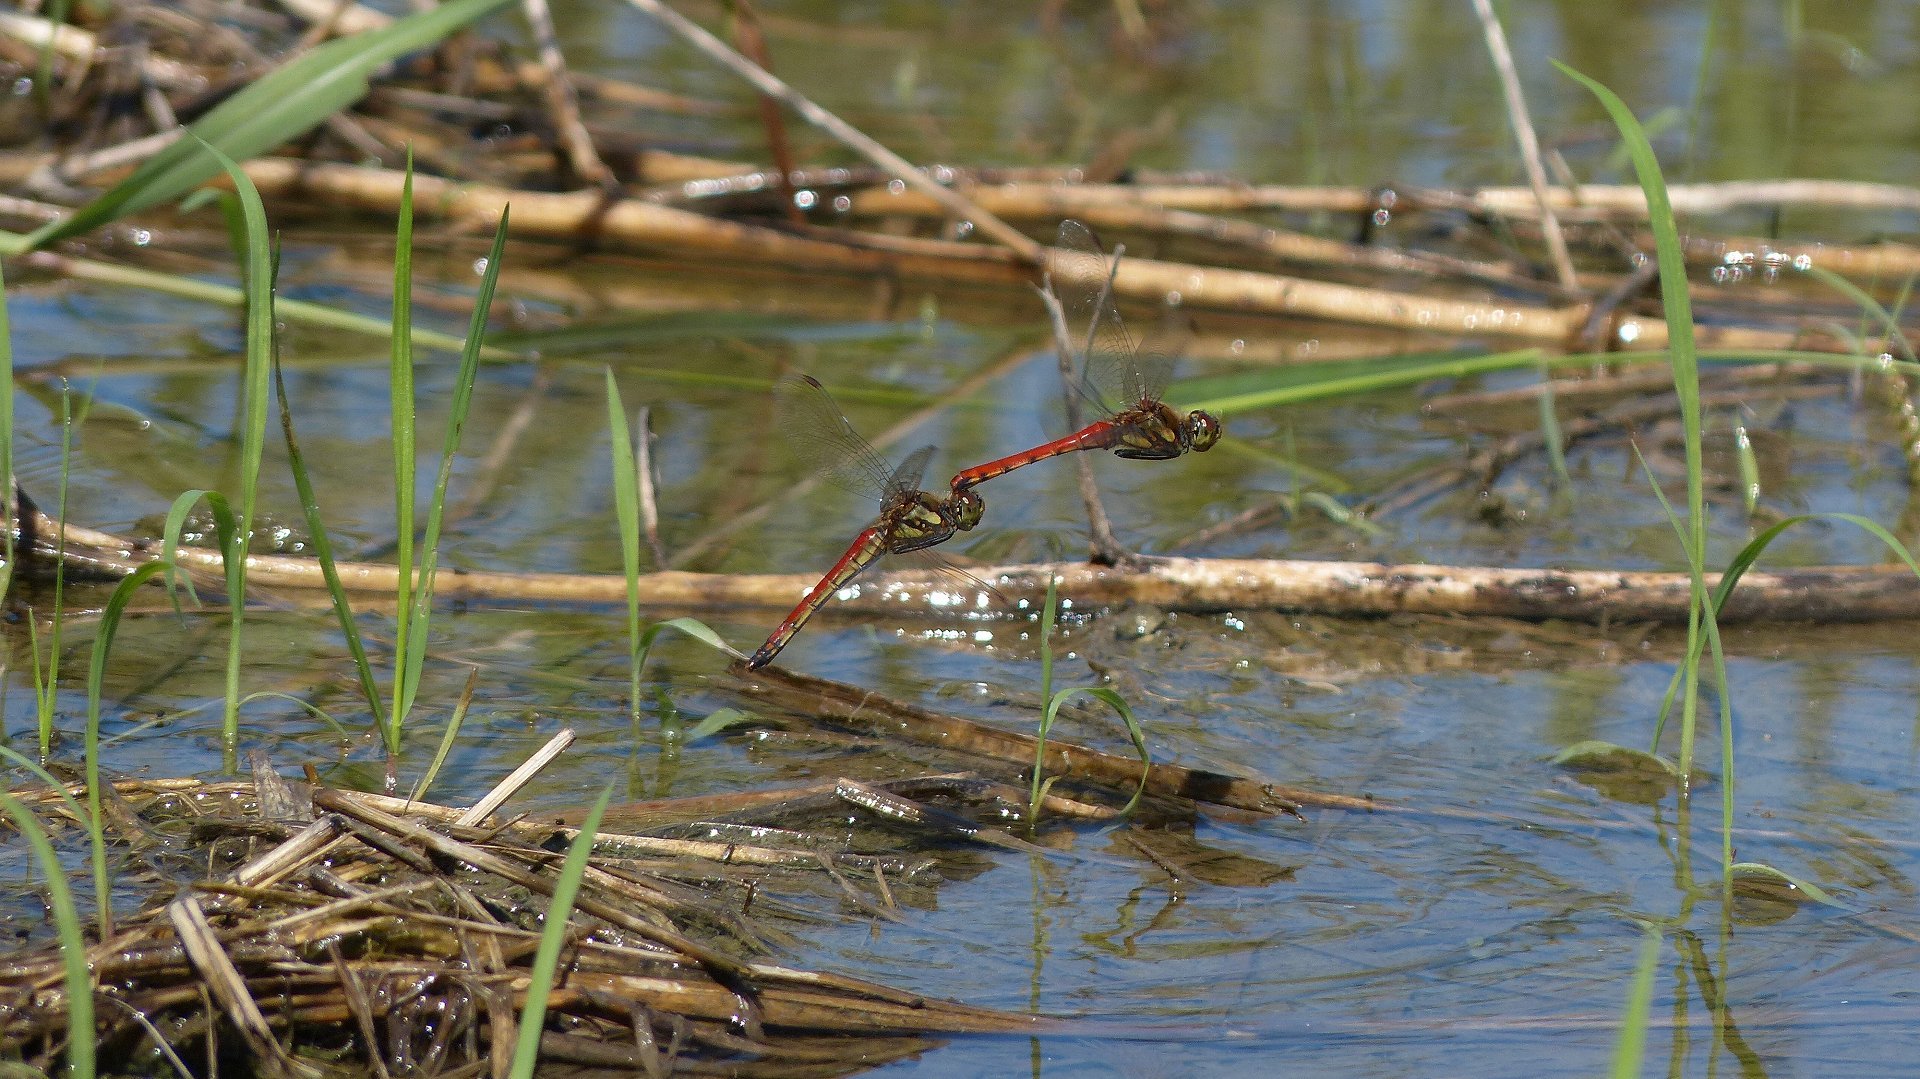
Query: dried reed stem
{"points": [[1529, 144]]}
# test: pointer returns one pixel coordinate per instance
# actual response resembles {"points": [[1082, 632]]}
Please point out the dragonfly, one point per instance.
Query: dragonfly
{"points": [[1122, 379], [910, 519]]}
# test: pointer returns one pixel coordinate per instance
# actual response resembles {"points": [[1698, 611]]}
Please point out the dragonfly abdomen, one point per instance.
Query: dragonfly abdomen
{"points": [[867, 546]]}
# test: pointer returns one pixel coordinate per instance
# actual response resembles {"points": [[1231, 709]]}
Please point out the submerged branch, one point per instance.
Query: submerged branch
{"points": [[836, 702]]}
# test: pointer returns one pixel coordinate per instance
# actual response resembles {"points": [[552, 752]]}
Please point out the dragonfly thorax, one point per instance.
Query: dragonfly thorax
{"points": [[923, 519], [1149, 431]]}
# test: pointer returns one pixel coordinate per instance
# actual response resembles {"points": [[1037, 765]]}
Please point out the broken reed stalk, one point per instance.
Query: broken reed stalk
{"points": [[1812, 594], [1530, 157], [563, 105]]}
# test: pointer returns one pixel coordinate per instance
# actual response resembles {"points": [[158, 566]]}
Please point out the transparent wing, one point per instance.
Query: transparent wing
{"points": [[826, 443], [906, 478], [1116, 373]]}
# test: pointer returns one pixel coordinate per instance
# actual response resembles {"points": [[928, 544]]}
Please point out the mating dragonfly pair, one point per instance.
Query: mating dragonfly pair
{"points": [[1114, 372]]}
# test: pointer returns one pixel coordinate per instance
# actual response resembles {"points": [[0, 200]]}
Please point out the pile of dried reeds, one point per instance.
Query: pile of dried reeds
{"points": [[352, 933]]}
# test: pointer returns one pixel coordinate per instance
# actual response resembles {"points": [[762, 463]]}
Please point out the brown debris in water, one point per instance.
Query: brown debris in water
{"points": [[364, 934]]}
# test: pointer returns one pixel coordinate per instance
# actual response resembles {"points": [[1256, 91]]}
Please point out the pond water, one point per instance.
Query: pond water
{"points": [[1490, 928]]}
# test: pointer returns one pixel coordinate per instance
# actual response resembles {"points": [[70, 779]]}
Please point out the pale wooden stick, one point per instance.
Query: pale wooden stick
{"points": [[1529, 145], [230, 989], [519, 777], [1813, 594], [77, 44], [1594, 202], [645, 492], [642, 224], [562, 101]]}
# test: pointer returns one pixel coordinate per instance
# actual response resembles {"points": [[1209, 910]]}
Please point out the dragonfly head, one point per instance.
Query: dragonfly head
{"points": [[1202, 430], [964, 509]]}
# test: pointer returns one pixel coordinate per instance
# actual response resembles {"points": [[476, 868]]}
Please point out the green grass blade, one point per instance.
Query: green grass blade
{"points": [[47, 679], [1055, 701], [1293, 387], [1761, 877], [1678, 308], [405, 418], [1119, 704], [279, 106], [300, 311], [553, 936], [1555, 439], [80, 812], [73, 946], [416, 655], [454, 723], [1047, 613], [323, 552], [1889, 324], [258, 276], [1749, 554], [171, 532], [626, 509], [715, 723], [1749, 468], [692, 627], [56, 13], [1339, 513], [110, 616], [7, 523], [304, 705], [1674, 296], [1631, 1047]]}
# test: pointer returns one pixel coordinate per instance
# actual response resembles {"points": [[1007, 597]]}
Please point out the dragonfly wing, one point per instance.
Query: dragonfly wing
{"points": [[1162, 348], [906, 478], [824, 441], [1111, 372]]}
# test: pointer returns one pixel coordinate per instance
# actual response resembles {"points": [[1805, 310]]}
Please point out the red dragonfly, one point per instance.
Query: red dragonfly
{"points": [[910, 519], [1114, 372]]}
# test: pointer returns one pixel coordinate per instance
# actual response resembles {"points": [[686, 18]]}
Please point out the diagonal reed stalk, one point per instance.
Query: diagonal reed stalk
{"points": [[323, 553]]}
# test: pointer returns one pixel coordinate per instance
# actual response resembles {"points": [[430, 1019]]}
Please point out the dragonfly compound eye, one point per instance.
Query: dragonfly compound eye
{"points": [[1203, 430], [967, 508]]}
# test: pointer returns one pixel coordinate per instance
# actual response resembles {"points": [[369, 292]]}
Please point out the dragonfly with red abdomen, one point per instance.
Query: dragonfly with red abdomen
{"points": [[910, 519], [1122, 379]]}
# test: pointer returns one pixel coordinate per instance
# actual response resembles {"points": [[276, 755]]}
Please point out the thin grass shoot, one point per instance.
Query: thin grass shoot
{"points": [[77, 977], [257, 272], [553, 937], [417, 580], [323, 553]]}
